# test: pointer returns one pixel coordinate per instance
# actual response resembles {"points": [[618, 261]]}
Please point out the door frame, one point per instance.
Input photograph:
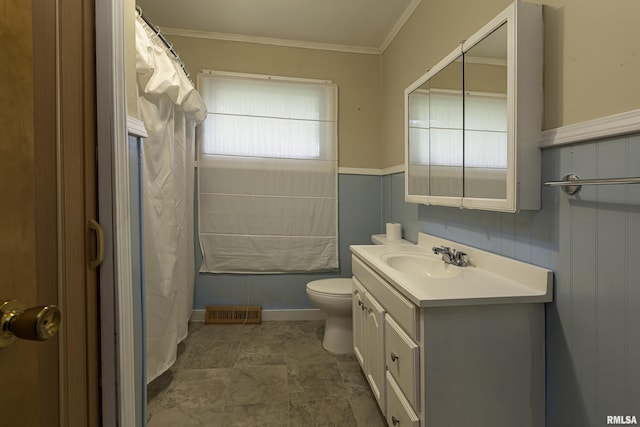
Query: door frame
{"points": [[116, 305]]}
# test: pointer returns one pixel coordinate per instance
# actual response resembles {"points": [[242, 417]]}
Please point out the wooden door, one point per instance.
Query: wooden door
{"points": [[47, 196]]}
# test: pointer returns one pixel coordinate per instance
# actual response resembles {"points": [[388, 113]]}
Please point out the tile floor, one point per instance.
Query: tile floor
{"points": [[272, 374]]}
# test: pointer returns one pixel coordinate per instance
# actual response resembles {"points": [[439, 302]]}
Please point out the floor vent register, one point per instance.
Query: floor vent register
{"points": [[233, 314]]}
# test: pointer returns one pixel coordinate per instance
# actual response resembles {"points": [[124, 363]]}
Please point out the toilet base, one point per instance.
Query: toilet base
{"points": [[338, 335]]}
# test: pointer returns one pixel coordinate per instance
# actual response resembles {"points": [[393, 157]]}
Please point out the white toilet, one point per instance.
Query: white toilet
{"points": [[333, 296]]}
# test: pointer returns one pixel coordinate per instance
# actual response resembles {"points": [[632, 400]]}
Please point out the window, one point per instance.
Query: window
{"points": [[267, 175]]}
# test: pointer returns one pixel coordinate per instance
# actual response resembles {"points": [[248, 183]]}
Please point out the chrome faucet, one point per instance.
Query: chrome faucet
{"points": [[452, 256]]}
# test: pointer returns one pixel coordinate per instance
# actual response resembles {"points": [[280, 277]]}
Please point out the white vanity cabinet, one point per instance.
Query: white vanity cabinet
{"points": [[447, 362], [386, 344]]}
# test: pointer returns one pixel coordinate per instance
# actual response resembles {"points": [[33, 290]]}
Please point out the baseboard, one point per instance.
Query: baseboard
{"points": [[275, 315]]}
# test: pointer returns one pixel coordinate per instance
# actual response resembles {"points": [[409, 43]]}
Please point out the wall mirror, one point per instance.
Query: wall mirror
{"points": [[435, 133], [485, 117], [473, 121]]}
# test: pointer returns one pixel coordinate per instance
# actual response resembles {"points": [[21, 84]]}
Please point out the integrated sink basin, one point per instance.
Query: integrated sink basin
{"points": [[428, 281], [418, 264]]}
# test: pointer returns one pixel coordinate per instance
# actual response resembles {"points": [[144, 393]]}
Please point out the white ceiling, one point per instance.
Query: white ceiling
{"points": [[356, 25]]}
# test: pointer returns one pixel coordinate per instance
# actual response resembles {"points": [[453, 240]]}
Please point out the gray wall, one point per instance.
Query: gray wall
{"points": [[358, 218], [592, 242]]}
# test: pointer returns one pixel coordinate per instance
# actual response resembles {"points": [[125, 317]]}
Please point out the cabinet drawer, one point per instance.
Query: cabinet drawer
{"points": [[399, 412], [402, 310], [402, 358]]}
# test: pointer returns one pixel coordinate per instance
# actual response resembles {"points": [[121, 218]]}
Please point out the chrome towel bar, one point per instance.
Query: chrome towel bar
{"points": [[572, 183]]}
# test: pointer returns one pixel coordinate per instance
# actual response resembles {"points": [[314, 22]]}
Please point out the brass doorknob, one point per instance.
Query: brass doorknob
{"points": [[35, 323]]}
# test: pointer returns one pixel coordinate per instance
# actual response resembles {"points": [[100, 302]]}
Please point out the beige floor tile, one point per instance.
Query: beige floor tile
{"points": [[271, 374], [257, 384], [332, 412]]}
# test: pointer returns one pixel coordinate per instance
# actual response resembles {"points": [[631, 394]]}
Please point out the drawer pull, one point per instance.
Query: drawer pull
{"points": [[395, 421], [394, 357]]}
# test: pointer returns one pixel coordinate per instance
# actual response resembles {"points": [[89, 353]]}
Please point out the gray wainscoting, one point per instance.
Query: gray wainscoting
{"points": [[137, 280], [592, 242]]}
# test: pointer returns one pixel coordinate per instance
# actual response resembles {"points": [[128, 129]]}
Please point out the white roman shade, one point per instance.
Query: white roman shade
{"points": [[267, 175]]}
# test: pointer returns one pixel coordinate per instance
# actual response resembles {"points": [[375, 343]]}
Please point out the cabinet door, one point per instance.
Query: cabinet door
{"points": [[359, 317], [374, 351]]}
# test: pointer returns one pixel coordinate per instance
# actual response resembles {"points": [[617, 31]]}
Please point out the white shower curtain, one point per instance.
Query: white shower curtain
{"points": [[170, 108]]}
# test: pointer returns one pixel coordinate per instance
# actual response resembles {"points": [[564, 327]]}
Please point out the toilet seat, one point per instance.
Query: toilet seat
{"points": [[331, 287]]}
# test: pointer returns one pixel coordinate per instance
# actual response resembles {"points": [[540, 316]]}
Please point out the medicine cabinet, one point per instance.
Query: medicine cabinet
{"points": [[473, 121]]}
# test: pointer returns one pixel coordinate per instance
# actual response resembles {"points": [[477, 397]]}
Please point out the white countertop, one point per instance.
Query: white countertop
{"points": [[490, 279]]}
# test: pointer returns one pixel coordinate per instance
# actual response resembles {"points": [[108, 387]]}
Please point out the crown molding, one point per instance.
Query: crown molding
{"points": [[399, 24], [269, 41]]}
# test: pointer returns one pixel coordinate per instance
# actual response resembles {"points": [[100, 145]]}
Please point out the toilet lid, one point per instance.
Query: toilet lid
{"points": [[331, 286]]}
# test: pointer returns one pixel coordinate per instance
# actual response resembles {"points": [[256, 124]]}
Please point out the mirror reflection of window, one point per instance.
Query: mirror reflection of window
{"points": [[418, 146], [445, 131], [485, 117]]}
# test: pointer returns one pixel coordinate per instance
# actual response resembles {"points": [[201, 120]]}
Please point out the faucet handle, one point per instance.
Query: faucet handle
{"points": [[441, 249], [462, 259]]}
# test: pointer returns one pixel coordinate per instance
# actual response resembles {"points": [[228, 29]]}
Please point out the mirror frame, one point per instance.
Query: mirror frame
{"points": [[524, 109]]}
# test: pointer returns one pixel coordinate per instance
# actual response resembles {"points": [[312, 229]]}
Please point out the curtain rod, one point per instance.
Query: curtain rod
{"points": [[166, 42]]}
